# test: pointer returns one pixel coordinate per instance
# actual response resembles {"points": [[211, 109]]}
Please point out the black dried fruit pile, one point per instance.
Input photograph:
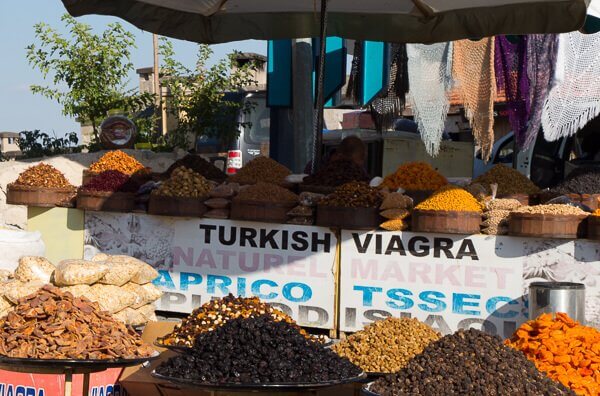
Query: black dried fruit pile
{"points": [[336, 173], [198, 165], [257, 351], [580, 181], [469, 363]]}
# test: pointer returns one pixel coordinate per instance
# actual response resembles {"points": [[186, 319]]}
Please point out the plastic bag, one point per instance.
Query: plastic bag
{"points": [[15, 244], [130, 317], [79, 291], [34, 268], [119, 272], [394, 225], [217, 214], [395, 214], [112, 298], [152, 292], [503, 204], [79, 272], [301, 211], [396, 200], [145, 294], [376, 181], [16, 290], [148, 312], [5, 275], [100, 257], [217, 203], [310, 199], [146, 274]]}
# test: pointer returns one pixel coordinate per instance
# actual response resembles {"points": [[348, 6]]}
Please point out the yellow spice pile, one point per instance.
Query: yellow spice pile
{"points": [[451, 198]]}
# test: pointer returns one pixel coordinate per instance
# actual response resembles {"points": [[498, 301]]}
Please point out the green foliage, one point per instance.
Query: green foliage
{"points": [[196, 96], [88, 71], [35, 144]]}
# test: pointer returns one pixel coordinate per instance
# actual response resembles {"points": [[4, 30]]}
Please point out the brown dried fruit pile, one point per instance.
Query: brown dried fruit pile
{"points": [[261, 169], [43, 175], [354, 195], [51, 324], [266, 192]]}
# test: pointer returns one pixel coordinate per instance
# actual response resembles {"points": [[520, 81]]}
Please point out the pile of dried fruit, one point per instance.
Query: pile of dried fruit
{"points": [[257, 351], [215, 313], [580, 181], [386, 346], [43, 175], [51, 324], [119, 161], [261, 169], [468, 362], [564, 349], [110, 181], [509, 181], [336, 173], [184, 183], [198, 165], [266, 192], [451, 198], [354, 195], [551, 209], [596, 213], [415, 176]]}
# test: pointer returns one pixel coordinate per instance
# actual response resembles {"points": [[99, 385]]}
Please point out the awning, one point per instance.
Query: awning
{"points": [[424, 21]]}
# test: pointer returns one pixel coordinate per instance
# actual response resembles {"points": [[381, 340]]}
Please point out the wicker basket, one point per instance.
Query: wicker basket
{"points": [[40, 196], [446, 222]]}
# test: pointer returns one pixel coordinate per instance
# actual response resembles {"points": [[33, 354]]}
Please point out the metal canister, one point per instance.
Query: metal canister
{"points": [[552, 297]]}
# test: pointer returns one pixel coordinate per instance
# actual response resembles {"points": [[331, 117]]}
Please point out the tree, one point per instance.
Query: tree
{"points": [[197, 97], [88, 71]]}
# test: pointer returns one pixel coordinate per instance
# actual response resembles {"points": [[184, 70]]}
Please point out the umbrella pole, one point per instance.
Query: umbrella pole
{"points": [[320, 104]]}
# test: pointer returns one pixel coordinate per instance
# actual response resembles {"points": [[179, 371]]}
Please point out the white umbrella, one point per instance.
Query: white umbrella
{"points": [[422, 21]]}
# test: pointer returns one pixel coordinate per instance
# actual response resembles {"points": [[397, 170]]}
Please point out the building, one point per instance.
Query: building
{"points": [[9, 146]]}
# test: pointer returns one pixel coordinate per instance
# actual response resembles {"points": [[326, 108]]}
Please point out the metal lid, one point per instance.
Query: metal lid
{"points": [[557, 285]]}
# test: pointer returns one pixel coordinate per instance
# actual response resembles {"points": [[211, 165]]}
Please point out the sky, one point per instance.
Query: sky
{"points": [[20, 109]]}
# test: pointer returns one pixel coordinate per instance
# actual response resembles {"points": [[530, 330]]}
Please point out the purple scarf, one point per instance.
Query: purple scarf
{"points": [[510, 65]]}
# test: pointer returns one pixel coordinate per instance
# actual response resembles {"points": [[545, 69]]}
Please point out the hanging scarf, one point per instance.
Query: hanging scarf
{"points": [[574, 100], [473, 71], [429, 75], [541, 61], [386, 107], [510, 63], [352, 91]]}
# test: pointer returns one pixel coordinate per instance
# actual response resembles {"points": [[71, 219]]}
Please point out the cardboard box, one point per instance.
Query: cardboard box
{"points": [[357, 120], [138, 381]]}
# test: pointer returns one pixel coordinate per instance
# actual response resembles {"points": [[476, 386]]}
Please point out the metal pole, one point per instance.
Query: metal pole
{"points": [[318, 131], [157, 90]]}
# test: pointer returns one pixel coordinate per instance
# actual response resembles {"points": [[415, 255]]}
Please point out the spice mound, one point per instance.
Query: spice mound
{"points": [[468, 362], [257, 351], [215, 313], [110, 181], [581, 181], [552, 209], [119, 161], [198, 165], [451, 198], [261, 169], [354, 195], [596, 213], [415, 176], [564, 349], [184, 183], [266, 192], [386, 346], [51, 324], [509, 180], [43, 175], [336, 173]]}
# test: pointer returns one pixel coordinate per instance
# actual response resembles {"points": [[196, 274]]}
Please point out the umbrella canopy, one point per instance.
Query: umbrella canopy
{"points": [[412, 21]]}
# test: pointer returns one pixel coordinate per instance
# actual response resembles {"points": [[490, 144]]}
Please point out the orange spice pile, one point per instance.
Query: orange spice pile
{"points": [[564, 349], [415, 176], [119, 161]]}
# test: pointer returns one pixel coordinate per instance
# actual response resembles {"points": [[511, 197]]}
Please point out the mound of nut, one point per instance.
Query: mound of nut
{"points": [[50, 324], [215, 313], [386, 346], [184, 183]]}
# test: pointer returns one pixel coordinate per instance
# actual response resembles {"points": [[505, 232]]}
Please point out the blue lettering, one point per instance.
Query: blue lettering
{"points": [[241, 289], [398, 295], [9, 390], [187, 278], [164, 280], [306, 292], [432, 297], [459, 304], [30, 391], [20, 390], [222, 285], [367, 294], [492, 304], [256, 285]]}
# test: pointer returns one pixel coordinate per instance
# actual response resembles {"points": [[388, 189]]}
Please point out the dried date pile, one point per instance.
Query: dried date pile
{"points": [[469, 362], [43, 175], [581, 181], [354, 195], [336, 173], [257, 350], [198, 165], [261, 169], [51, 324], [215, 313], [266, 192]]}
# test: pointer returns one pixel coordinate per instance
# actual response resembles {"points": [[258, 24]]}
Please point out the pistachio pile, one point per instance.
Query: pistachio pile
{"points": [[184, 183], [386, 346]]}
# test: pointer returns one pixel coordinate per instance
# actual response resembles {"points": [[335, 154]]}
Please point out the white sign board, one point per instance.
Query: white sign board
{"points": [[447, 281], [291, 267]]}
